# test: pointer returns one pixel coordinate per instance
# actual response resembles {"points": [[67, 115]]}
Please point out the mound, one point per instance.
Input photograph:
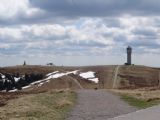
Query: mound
{"points": [[60, 83], [87, 84]]}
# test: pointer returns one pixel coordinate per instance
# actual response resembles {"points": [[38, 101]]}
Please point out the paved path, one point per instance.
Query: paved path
{"points": [[152, 113], [98, 105], [115, 77]]}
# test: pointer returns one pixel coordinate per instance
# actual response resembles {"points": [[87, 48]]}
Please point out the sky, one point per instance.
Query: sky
{"points": [[79, 32]]}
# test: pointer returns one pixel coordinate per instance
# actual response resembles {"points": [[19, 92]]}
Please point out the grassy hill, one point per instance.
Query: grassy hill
{"points": [[128, 76]]}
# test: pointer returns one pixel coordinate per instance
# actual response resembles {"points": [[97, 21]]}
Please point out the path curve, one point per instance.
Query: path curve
{"points": [[98, 105]]}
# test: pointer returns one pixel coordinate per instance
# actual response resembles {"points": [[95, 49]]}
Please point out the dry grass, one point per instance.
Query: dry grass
{"points": [[51, 105], [140, 98], [142, 94], [63, 103], [32, 69]]}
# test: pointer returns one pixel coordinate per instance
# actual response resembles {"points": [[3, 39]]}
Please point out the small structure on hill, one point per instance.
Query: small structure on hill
{"points": [[50, 64], [129, 56]]}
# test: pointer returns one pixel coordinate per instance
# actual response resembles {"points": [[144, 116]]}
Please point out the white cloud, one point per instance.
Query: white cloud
{"points": [[10, 34], [84, 37], [4, 46], [9, 9]]}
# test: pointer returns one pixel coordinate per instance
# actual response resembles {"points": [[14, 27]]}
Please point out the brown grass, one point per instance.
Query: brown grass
{"points": [[32, 69], [143, 94], [63, 103], [51, 105]]}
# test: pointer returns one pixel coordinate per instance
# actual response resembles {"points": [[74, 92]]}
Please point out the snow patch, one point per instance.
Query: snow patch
{"points": [[58, 75], [26, 87], [96, 80], [13, 90], [90, 75], [16, 79], [87, 75], [52, 73], [3, 76]]}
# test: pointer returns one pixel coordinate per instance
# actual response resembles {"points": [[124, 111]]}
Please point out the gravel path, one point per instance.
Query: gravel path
{"points": [[98, 105]]}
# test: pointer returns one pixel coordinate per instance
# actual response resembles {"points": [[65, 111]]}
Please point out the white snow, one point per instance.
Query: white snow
{"points": [[87, 75], [37, 82], [16, 79], [3, 76], [96, 80], [58, 75], [26, 87], [72, 72], [90, 75], [52, 73], [13, 90]]}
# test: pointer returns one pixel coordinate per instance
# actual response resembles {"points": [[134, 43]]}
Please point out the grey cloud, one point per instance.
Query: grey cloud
{"points": [[88, 44], [98, 7], [147, 43], [62, 10], [144, 32], [111, 22]]}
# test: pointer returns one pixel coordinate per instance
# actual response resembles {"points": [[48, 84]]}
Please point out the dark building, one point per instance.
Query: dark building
{"points": [[129, 56]]}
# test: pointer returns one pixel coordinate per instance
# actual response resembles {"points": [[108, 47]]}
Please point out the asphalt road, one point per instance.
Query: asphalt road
{"points": [[152, 113], [98, 105]]}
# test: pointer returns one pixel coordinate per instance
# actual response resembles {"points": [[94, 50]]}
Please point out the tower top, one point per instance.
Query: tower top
{"points": [[129, 47]]}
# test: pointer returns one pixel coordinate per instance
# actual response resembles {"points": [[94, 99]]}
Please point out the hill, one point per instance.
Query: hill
{"points": [[127, 76]]}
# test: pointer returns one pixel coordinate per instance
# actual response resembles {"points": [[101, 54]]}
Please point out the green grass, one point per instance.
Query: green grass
{"points": [[139, 103]]}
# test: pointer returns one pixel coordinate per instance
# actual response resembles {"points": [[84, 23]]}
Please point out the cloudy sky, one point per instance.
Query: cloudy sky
{"points": [[79, 32]]}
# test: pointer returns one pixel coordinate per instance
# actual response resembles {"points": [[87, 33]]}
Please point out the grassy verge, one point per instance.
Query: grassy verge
{"points": [[139, 103], [52, 105], [56, 104]]}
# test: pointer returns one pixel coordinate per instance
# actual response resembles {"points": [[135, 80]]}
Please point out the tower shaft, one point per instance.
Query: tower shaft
{"points": [[129, 61], [129, 55]]}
